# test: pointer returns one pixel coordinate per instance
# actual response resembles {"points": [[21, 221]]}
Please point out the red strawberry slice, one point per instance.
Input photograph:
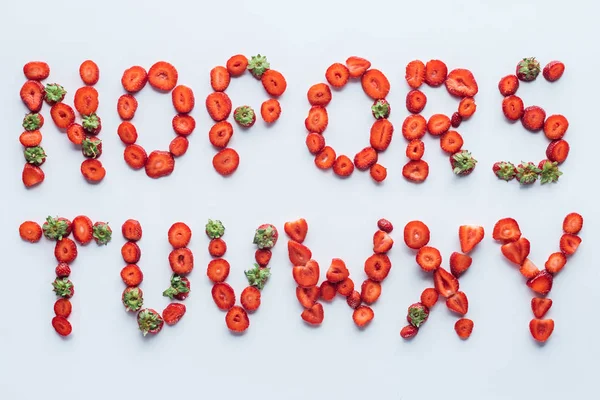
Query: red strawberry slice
{"points": [[459, 263], [458, 303], [516, 252], [540, 306], [541, 329], [298, 253], [470, 236], [541, 283], [382, 242], [445, 283]]}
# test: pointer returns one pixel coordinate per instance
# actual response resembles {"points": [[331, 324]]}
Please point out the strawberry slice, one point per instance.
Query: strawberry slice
{"points": [[307, 297], [296, 230], [541, 329], [415, 74], [541, 283], [528, 269], [506, 230], [409, 332], [445, 283], [459, 263], [237, 319], [313, 315], [569, 243], [573, 223], [382, 242], [381, 134], [353, 300], [516, 252], [540, 306], [435, 72], [173, 313], [508, 85], [362, 316], [250, 298], [345, 287], [429, 258], [458, 303], [223, 296], [429, 297], [306, 275], [370, 291], [298, 253], [555, 262], [464, 328], [470, 236], [377, 267], [337, 271], [461, 83], [357, 66], [416, 234], [416, 171], [327, 290]]}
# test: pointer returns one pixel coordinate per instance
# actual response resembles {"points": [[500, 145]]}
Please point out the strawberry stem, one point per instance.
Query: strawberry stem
{"points": [[258, 276], [215, 229]]}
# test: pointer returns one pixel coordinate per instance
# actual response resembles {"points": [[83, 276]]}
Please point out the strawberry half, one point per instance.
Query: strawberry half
{"points": [[445, 283], [458, 303], [540, 306], [470, 236], [459, 263], [541, 283], [517, 251], [541, 329], [506, 230]]}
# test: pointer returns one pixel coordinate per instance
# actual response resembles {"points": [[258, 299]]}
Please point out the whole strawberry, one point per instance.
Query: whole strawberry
{"points": [[528, 69], [244, 116], [462, 162], [179, 289], [91, 147], [133, 298], [381, 109], [35, 155], [214, 229], [505, 170], [527, 173], [456, 120], [418, 314], [550, 172], [55, 93], [92, 124], [258, 65], [63, 287], [33, 122], [101, 233], [266, 236], [258, 276], [56, 228], [149, 321], [62, 270]]}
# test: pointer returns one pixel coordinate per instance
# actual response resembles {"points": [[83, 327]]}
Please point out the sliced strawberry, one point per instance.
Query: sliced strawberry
{"points": [[345, 287], [250, 298], [459, 263], [223, 296], [415, 73], [317, 119], [32, 175], [217, 247], [219, 79], [528, 269], [218, 105], [306, 275], [573, 223], [541, 283], [513, 107], [416, 171], [508, 85], [307, 297], [365, 158], [467, 107], [558, 151], [461, 83], [62, 115], [183, 124], [506, 230], [416, 234], [274, 82], [162, 76], [36, 70], [415, 149], [181, 261], [296, 230], [82, 229], [408, 332], [343, 166], [65, 250], [445, 283], [126, 131], [382, 242], [218, 270], [362, 316], [533, 118], [353, 300], [263, 257], [451, 142], [464, 328], [375, 84], [237, 65], [357, 66], [315, 142], [237, 319], [555, 262], [298, 253], [135, 156], [370, 291], [429, 297], [438, 124], [183, 99], [86, 101], [470, 236], [226, 161], [220, 134], [30, 231], [63, 308], [337, 75], [131, 253], [415, 101], [540, 306], [134, 79], [62, 326], [159, 164], [378, 173], [429, 258], [435, 72], [458, 303], [555, 126], [325, 158], [569, 243], [541, 329], [31, 138], [89, 72], [517, 251], [377, 267], [179, 235], [319, 94], [313, 315], [381, 134], [76, 134], [179, 146], [455, 120], [270, 110], [337, 271], [132, 275], [327, 291], [32, 93], [414, 127], [173, 313], [126, 107], [553, 71]]}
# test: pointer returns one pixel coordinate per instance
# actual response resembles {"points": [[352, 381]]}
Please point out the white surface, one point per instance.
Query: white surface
{"points": [[280, 357]]}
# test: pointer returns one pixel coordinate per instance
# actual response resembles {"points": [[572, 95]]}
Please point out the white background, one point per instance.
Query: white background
{"points": [[279, 356]]}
